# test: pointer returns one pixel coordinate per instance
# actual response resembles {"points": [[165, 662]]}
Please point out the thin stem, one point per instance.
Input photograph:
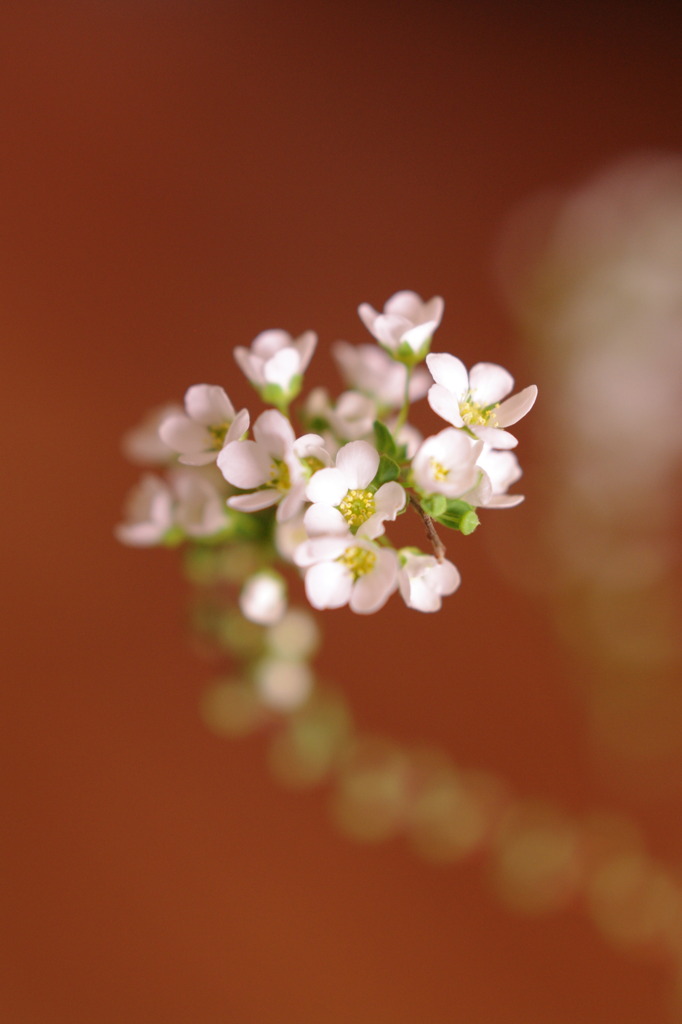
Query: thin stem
{"points": [[439, 549]]}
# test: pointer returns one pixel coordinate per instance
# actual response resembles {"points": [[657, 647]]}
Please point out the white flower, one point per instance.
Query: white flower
{"points": [[143, 445], [208, 423], [370, 370], [275, 360], [424, 581], [283, 685], [295, 636], [474, 400], [406, 325], [276, 463], [149, 513], [446, 463], [342, 499], [263, 598], [199, 502], [344, 569], [350, 418], [499, 470]]}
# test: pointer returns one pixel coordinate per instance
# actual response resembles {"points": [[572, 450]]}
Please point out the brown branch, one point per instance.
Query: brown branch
{"points": [[436, 542]]}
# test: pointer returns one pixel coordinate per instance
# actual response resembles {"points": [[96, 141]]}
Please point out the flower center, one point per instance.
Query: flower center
{"points": [[438, 470], [311, 463], [279, 475], [218, 433], [360, 561], [476, 415], [357, 507]]}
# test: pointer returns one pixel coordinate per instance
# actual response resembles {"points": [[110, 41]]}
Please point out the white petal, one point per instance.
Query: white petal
{"points": [[323, 519], [250, 365], [208, 404], [306, 346], [433, 310], [255, 501], [244, 464], [372, 591], [267, 343], [406, 304], [516, 407], [358, 461], [495, 437], [328, 585], [274, 432], [505, 500], [238, 427], [183, 434], [445, 404], [368, 315], [449, 371], [321, 549], [281, 367], [328, 486], [417, 336], [489, 383], [292, 502]]}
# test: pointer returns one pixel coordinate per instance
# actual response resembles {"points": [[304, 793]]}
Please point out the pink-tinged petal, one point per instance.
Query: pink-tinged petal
{"points": [[274, 432], [495, 437], [505, 500], [267, 343], [433, 310], [251, 367], [306, 346], [244, 464], [184, 435], [328, 486], [208, 404], [328, 585], [445, 405], [255, 501], [358, 461], [238, 427], [197, 458], [321, 549], [321, 520], [419, 383], [368, 315], [515, 408], [389, 500], [406, 304], [281, 367], [417, 336], [372, 591], [446, 578], [291, 503], [449, 371], [489, 383]]}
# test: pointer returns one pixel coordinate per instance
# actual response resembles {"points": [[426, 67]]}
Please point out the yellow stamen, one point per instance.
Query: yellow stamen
{"points": [[476, 415], [360, 561], [357, 506], [279, 475]]}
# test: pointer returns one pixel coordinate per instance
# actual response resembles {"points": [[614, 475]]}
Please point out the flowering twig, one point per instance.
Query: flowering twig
{"points": [[439, 549]]}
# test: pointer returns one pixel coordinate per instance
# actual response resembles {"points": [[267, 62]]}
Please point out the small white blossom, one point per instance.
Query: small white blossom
{"points": [[424, 581], [263, 598], [274, 467], [342, 499], [295, 636], [350, 418], [275, 360], [149, 513], [207, 425], [344, 569], [475, 400], [143, 445], [283, 685], [499, 470], [406, 325], [371, 371], [446, 463], [199, 501]]}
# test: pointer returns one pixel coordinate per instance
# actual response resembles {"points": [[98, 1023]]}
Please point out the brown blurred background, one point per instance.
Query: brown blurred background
{"points": [[177, 176]]}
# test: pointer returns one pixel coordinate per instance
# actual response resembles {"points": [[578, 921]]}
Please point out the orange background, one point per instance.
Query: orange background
{"points": [[177, 176]]}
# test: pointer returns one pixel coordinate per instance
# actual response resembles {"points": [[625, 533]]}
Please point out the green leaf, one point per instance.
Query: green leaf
{"points": [[385, 443], [388, 470]]}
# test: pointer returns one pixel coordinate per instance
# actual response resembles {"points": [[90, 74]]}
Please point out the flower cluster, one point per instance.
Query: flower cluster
{"points": [[319, 491]]}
